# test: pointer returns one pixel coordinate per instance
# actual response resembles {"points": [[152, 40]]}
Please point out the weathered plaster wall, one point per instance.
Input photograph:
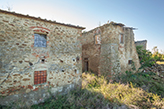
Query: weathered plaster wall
{"points": [[128, 51], [19, 58], [142, 43]]}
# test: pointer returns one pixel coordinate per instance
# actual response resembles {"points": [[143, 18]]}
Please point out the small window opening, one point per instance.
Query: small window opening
{"points": [[40, 77], [98, 39], [130, 62], [121, 38], [40, 40]]}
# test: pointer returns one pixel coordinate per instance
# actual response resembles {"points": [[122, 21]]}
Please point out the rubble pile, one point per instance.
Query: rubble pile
{"points": [[156, 68]]}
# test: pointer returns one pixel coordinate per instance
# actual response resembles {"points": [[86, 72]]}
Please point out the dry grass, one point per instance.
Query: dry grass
{"points": [[97, 93], [160, 62]]}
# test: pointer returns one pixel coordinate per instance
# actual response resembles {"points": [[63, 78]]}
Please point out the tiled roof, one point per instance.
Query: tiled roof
{"points": [[38, 18]]}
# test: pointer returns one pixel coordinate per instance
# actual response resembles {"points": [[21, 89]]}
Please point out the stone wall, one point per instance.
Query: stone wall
{"points": [[112, 54], [128, 51], [142, 43], [19, 58], [91, 52]]}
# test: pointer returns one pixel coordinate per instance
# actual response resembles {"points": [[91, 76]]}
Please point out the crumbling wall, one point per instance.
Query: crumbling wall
{"points": [[106, 52], [110, 65], [128, 53], [91, 52], [142, 43], [19, 59], [117, 49]]}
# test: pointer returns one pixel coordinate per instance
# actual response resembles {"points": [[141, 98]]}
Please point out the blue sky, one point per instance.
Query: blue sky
{"points": [[146, 15]]}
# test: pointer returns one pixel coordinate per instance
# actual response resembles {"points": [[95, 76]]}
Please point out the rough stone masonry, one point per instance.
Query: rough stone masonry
{"points": [[142, 43], [109, 50], [40, 58], [37, 58]]}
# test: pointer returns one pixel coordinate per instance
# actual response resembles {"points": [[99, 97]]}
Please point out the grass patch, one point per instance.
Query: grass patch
{"points": [[148, 81]]}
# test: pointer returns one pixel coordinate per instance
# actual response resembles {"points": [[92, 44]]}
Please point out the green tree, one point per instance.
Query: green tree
{"points": [[157, 55], [145, 57]]}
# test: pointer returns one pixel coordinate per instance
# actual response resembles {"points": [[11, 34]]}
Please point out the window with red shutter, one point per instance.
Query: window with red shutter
{"points": [[40, 77]]}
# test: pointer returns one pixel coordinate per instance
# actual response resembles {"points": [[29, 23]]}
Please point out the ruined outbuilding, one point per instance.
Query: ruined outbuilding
{"points": [[109, 50], [142, 43], [37, 57]]}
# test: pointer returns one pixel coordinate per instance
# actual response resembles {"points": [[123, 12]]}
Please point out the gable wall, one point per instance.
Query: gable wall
{"points": [[62, 58]]}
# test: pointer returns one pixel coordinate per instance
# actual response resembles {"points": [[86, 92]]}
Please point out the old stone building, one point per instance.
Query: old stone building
{"points": [[37, 57], [142, 43], [109, 50]]}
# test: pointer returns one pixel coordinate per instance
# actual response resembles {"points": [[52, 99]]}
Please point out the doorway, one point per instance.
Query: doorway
{"points": [[86, 65]]}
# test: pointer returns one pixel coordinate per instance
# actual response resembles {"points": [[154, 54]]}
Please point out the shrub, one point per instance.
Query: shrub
{"points": [[145, 57]]}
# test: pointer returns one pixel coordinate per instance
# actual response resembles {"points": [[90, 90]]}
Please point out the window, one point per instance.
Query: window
{"points": [[40, 77], [40, 40], [121, 38], [97, 39], [130, 62]]}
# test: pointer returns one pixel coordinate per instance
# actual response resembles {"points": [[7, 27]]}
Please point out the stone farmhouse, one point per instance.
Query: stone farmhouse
{"points": [[36, 54], [109, 50], [40, 58]]}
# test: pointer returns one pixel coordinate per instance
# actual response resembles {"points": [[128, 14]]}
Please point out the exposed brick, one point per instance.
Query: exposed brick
{"points": [[3, 92], [35, 89], [26, 79], [30, 87]]}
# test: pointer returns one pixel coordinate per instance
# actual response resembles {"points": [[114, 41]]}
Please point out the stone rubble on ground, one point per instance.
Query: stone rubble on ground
{"points": [[156, 68]]}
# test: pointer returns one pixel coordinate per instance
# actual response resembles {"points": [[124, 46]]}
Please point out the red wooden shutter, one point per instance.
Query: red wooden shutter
{"points": [[40, 77]]}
